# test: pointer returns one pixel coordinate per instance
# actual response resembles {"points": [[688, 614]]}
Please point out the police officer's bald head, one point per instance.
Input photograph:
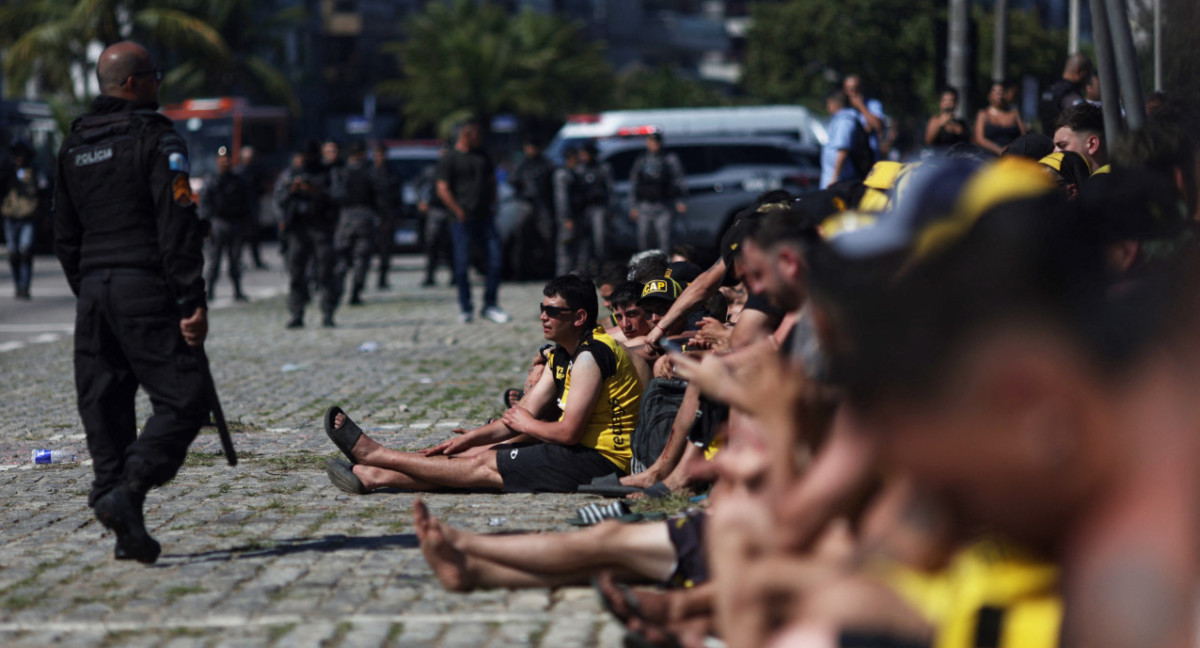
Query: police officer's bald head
{"points": [[125, 70]]}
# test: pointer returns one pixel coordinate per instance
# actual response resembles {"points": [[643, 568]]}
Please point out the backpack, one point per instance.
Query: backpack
{"points": [[660, 404], [22, 199], [860, 153]]}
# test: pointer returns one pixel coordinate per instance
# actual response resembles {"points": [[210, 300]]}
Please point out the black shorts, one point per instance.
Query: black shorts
{"points": [[687, 536], [537, 467]]}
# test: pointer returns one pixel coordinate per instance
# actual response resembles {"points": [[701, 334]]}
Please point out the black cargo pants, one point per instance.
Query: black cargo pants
{"points": [[127, 334]]}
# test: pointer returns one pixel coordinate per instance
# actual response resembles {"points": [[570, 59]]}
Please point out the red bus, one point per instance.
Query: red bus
{"points": [[209, 124]]}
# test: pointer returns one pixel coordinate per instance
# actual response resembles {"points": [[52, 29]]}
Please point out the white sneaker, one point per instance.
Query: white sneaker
{"points": [[495, 314], [465, 318]]}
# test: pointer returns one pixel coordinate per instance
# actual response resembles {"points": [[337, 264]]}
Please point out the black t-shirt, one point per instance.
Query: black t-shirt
{"points": [[759, 302], [472, 180]]}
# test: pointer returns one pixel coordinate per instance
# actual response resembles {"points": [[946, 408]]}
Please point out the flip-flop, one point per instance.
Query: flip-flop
{"points": [[631, 602], [512, 396], [606, 490], [657, 490], [594, 514], [343, 437], [341, 475]]}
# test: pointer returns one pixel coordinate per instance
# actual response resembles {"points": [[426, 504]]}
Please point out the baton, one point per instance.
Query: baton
{"points": [[214, 405]]}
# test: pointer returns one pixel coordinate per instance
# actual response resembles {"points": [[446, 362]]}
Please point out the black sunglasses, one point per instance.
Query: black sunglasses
{"points": [[156, 73], [556, 311]]}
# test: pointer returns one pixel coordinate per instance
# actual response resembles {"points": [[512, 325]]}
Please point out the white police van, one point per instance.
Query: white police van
{"points": [[793, 122]]}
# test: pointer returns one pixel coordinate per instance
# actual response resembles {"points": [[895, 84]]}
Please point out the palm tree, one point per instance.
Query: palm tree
{"points": [[248, 34], [57, 43], [470, 59]]}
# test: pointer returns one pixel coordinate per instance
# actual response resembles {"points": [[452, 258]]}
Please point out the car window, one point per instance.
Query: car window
{"points": [[695, 159], [403, 170], [754, 155], [621, 163], [700, 159]]}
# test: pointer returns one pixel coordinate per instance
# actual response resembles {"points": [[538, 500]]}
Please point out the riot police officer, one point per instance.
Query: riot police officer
{"points": [[353, 188], [225, 202], [656, 190], [307, 220], [129, 240]]}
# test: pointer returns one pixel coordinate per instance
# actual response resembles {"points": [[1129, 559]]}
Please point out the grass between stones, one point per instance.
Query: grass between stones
{"points": [[175, 593], [277, 632]]}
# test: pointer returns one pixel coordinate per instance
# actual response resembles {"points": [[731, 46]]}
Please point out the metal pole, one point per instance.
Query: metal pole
{"points": [[1109, 102], [1073, 27], [1158, 45], [956, 55], [1127, 66], [1000, 46]]}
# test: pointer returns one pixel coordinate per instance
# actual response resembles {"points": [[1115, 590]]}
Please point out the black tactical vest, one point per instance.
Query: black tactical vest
{"points": [[108, 183], [358, 187], [653, 182]]}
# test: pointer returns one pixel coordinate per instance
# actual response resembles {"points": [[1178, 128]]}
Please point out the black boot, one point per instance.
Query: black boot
{"points": [[238, 295], [121, 511]]}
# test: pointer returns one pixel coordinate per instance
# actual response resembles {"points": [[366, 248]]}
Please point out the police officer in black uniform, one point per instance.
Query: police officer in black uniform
{"points": [[353, 188], [308, 219], [129, 240], [656, 179], [534, 241], [225, 202]]}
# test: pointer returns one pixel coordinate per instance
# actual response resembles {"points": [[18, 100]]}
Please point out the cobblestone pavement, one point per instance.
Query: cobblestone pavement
{"points": [[268, 552]]}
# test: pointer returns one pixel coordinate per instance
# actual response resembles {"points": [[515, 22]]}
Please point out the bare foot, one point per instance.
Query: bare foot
{"points": [[638, 480], [448, 564], [363, 447]]}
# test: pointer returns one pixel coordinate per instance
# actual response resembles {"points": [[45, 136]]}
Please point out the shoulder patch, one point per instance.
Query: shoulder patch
{"points": [[178, 162], [181, 191]]}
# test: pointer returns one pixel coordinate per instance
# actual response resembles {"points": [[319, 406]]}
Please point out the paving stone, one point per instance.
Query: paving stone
{"points": [[268, 552]]}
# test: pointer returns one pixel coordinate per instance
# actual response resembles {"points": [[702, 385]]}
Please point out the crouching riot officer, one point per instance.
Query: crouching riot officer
{"points": [[129, 240]]}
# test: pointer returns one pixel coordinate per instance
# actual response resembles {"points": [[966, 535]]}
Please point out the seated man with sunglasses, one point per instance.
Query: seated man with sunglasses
{"points": [[589, 377]]}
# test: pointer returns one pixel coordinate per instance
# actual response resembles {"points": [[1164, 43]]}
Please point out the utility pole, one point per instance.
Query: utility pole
{"points": [[956, 54], [1158, 45], [1127, 67], [1110, 103], [1073, 27], [1000, 46]]}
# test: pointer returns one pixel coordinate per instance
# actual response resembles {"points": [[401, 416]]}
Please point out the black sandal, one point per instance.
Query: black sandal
{"points": [[512, 396], [343, 437]]}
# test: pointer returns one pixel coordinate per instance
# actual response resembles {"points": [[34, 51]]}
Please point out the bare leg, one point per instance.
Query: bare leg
{"points": [[467, 560], [676, 445], [373, 478], [459, 572], [418, 472], [643, 549]]}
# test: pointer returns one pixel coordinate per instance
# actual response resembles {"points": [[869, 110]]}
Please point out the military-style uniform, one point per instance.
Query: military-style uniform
{"points": [[655, 183], [225, 202], [129, 240], [308, 220], [354, 190]]}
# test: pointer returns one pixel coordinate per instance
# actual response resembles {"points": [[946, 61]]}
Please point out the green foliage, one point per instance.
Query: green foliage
{"points": [[53, 41], [249, 35], [797, 51], [474, 59], [1032, 50], [662, 88]]}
